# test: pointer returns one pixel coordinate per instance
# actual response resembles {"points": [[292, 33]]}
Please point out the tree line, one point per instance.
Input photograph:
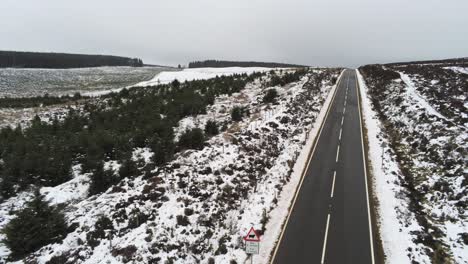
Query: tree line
{"points": [[45, 100], [222, 64], [16, 59]]}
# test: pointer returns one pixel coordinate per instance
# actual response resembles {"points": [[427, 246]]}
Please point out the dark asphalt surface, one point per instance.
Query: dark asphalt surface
{"points": [[348, 239]]}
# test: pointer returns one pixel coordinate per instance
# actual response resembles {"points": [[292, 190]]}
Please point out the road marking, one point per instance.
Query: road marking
{"points": [[306, 168], [333, 184], [337, 153], [365, 173], [344, 110], [325, 240], [341, 130], [342, 120]]}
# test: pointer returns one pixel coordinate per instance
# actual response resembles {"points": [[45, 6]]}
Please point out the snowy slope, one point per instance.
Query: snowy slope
{"points": [[419, 111], [396, 222], [198, 74], [198, 207]]}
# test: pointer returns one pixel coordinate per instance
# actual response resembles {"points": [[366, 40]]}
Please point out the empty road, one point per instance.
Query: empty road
{"points": [[330, 218]]}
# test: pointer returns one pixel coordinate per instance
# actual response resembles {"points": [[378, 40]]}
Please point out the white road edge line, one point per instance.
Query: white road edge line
{"points": [[307, 167], [365, 172], [325, 240], [337, 153], [333, 184]]}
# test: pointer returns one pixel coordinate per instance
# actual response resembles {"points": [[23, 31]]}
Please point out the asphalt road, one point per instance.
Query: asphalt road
{"points": [[330, 221]]}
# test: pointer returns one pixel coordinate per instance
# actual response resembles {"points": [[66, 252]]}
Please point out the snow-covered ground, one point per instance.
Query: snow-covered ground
{"points": [[463, 70], [422, 186], [395, 220], [19, 82], [198, 74], [200, 205]]}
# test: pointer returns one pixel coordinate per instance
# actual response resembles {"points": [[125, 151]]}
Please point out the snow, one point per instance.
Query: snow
{"points": [[395, 221], [418, 99], [198, 74], [75, 189], [463, 70]]}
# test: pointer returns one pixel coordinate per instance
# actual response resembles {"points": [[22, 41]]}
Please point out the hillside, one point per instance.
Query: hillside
{"points": [[417, 120], [19, 59], [174, 173], [223, 64]]}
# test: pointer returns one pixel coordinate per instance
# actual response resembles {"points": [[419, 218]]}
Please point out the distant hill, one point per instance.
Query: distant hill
{"points": [[222, 64], [62, 60], [447, 62]]}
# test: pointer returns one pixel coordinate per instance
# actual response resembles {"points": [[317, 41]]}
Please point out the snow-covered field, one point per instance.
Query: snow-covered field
{"points": [[420, 112], [198, 74], [197, 208], [17, 82]]}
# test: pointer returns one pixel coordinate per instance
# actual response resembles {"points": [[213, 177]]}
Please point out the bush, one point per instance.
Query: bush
{"points": [[127, 253], [99, 232], [222, 249], [237, 113], [37, 225], [182, 220], [192, 139], [211, 128], [270, 96]]}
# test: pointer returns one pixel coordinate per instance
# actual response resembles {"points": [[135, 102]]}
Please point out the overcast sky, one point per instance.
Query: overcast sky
{"points": [[320, 32]]}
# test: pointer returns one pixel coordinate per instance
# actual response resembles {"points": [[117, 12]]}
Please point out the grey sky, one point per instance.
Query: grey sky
{"points": [[322, 32]]}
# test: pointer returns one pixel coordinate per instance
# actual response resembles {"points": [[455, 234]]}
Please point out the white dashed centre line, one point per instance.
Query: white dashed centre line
{"points": [[337, 153], [341, 130], [342, 120], [333, 184], [325, 239]]}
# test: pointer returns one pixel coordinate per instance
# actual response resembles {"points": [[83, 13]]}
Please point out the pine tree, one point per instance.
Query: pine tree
{"points": [[236, 113], [128, 169], [101, 180], [36, 225]]}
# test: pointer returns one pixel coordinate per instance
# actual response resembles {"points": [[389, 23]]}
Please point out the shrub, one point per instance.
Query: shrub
{"points": [[237, 113], [192, 139], [99, 232], [60, 259], [222, 249], [127, 253], [211, 128], [270, 96], [188, 211], [36, 225], [182, 220]]}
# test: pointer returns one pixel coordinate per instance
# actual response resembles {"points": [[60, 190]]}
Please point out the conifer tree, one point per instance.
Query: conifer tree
{"points": [[36, 225], [101, 180]]}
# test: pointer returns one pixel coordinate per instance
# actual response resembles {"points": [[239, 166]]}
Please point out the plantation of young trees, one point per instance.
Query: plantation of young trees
{"points": [[43, 153]]}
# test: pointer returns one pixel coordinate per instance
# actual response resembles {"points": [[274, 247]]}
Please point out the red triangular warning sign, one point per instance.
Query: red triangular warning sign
{"points": [[252, 235]]}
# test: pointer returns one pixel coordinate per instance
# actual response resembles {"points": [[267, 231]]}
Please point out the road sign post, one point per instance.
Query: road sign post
{"points": [[252, 243]]}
